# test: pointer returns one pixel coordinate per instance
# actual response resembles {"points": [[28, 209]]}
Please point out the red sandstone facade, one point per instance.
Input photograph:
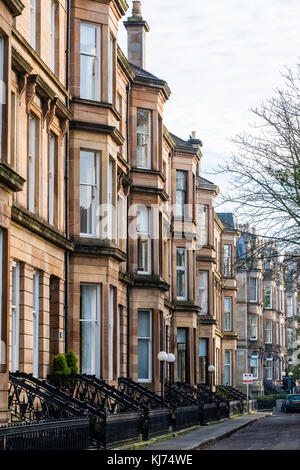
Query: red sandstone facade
{"points": [[94, 191]]}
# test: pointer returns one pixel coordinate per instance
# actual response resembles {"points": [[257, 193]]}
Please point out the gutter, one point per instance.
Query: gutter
{"points": [[67, 253]]}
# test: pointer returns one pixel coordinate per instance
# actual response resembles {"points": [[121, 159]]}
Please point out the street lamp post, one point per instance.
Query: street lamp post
{"points": [[171, 359], [162, 356], [290, 374], [211, 370]]}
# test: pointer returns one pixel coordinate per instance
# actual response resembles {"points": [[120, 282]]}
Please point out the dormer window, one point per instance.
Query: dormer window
{"points": [[143, 139]]}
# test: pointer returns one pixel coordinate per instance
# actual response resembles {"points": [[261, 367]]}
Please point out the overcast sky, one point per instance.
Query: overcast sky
{"points": [[220, 58]]}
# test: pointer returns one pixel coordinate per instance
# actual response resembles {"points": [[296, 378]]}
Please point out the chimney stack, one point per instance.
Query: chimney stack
{"points": [[136, 28]]}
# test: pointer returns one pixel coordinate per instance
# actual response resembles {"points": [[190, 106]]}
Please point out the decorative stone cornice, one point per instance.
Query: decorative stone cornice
{"points": [[19, 63], [125, 278], [206, 320], [10, 179], [122, 6], [97, 247], [99, 128], [150, 282], [40, 227], [186, 306], [15, 6], [155, 83], [149, 172], [151, 190]]}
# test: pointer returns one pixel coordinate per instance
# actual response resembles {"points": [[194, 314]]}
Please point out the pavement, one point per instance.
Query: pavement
{"points": [[207, 435], [281, 431]]}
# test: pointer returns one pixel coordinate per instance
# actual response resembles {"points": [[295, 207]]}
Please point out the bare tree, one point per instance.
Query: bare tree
{"points": [[264, 172]]}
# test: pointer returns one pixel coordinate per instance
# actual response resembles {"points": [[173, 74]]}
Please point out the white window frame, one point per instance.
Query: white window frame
{"points": [[35, 322], [268, 332], [97, 57], [51, 180], [266, 289], [97, 321], [111, 69], [203, 275], [227, 267], [32, 162], [269, 369], [180, 210], [256, 290], [111, 331], [2, 87], [228, 364], [33, 23], [254, 356], [184, 270], [15, 318], [149, 338], [110, 199], [149, 135], [203, 213], [255, 325], [96, 191], [226, 313], [144, 236], [53, 31]]}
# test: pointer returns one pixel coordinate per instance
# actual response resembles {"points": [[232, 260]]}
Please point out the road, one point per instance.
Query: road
{"points": [[277, 432]]}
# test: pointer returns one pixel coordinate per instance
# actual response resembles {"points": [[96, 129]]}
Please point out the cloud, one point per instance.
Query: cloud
{"points": [[220, 58]]}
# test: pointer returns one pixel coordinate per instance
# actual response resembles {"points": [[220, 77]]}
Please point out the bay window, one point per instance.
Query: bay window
{"points": [[90, 61], [181, 269], [203, 225], [15, 316], [143, 139], [90, 329], [144, 240], [36, 295], [228, 314], [181, 192], [228, 367], [89, 193], [254, 365], [253, 289], [253, 327], [268, 297], [203, 292], [227, 268], [144, 346], [268, 332]]}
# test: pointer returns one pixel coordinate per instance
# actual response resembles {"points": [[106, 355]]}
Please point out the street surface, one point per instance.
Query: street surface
{"points": [[278, 432]]}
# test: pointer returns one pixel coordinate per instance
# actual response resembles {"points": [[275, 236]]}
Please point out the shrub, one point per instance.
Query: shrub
{"points": [[60, 366], [72, 362]]}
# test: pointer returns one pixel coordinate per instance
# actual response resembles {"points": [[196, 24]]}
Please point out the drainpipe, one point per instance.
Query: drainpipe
{"points": [[67, 254], [127, 241]]}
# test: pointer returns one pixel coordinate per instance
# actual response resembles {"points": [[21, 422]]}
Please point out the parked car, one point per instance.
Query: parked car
{"points": [[291, 403]]}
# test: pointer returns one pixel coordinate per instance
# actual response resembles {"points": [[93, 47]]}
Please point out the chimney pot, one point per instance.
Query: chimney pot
{"points": [[137, 28], [194, 135], [136, 8]]}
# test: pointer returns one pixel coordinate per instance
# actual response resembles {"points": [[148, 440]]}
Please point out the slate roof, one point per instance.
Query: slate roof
{"points": [[143, 73], [227, 218]]}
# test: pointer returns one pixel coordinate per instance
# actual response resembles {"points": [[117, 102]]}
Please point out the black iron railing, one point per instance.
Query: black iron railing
{"points": [[68, 434], [142, 394]]}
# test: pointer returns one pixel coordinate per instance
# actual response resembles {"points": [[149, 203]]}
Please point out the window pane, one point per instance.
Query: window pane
{"points": [[143, 121], [181, 335], [144, 327], [181, 258], [88, 77], [86, 210], [181, 284], [88, 303], [143, 139], [143, 359], [88, 39], [203, 347], [203, 292]]}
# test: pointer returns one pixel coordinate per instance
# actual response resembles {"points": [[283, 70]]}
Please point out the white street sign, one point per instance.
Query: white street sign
{"points": [[247, 378]]}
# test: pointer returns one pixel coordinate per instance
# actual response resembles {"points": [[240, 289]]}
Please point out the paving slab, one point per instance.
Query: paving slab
{"points": [[207, 435]]}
